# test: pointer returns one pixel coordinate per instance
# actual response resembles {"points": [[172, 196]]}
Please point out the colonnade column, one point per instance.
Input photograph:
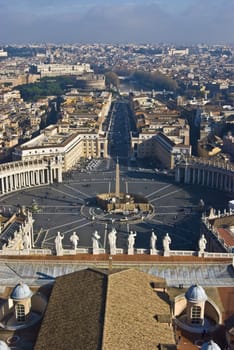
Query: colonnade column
{"points": [[2, 185], [32, 178], [198, 176], [11, 182], [47, 176], [51, 176], [212, 178], [203, 176], [226, 179], [7, 185], [177, 174], [22, 179], [26, 179], [16, 181], [230, 183], [187, 175], [221, 182], [43, 176], [217, 180], [208, 178], [194, 175], [60, 178], [37, 177]]}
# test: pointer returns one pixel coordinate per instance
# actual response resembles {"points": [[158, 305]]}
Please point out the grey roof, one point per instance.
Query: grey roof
{"points": [[211, 345], [21, 292], [195, 293]]}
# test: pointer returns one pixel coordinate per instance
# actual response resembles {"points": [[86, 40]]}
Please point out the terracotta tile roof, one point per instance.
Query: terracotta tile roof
{"points": [[227, 299], [122, 302], [131, 313], [75, 312], [227, 236]]}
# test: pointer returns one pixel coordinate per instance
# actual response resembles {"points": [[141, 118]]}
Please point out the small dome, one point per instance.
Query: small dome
{"points": [[196, 294], [21, 291], [210, 346], [3, 345]]}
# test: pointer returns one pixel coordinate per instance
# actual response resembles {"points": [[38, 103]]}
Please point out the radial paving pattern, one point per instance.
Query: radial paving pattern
{"points": [[70, 206]]}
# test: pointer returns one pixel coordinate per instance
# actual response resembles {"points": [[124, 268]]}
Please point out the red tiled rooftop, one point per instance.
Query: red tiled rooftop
{"points": [[227, 236]]}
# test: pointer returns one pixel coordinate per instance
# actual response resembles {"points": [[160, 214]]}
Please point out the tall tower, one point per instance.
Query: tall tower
{"points": [[117, 179]]}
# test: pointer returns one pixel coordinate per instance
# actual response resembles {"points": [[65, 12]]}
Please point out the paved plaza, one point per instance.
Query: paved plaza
{"points": [[70, 206]]}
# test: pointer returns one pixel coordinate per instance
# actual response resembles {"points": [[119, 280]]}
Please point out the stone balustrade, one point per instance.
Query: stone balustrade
{"points": [[14, 252], [142, 251], [119, 251], [183, 253], [76, 251]]}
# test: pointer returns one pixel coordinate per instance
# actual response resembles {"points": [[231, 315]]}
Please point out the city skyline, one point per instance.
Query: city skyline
{"points": [[169, 21]]}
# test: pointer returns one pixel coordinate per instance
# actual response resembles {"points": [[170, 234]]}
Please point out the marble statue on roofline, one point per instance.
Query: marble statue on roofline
{"points": [[166, 242], [58, 244], [112, 236], [95, 240], [26, 241], [131, 239], [202, 244], [74, 238], [153, 240]]}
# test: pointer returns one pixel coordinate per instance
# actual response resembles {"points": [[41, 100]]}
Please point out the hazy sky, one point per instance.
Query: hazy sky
{"points": [[121, 21]]}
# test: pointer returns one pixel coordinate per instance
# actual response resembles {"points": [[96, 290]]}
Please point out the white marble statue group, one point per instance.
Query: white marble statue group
{"points": [[112, 238], [74, 238], [22, 239]]}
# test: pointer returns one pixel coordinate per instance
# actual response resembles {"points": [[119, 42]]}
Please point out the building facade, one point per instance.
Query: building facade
{"points": [[65, 147]]}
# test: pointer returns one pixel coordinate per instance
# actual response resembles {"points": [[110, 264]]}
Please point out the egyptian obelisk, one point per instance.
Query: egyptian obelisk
{"points": [[117, 179]]}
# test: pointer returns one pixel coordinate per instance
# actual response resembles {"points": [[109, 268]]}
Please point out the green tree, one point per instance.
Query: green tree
{"points": [[112, 79], [154, 80]]}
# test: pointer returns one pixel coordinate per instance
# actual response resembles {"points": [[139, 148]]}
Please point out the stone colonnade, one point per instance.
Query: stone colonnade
{"points": [[24, 174], [207, 173]]}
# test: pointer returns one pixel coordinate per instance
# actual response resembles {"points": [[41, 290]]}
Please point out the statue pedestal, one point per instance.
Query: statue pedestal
{"points": [[113, 251], [97, 251], [59, 253], [166, 253], [201, 253], [26, 251], [82, 251], [130, 251], [153, 252]]}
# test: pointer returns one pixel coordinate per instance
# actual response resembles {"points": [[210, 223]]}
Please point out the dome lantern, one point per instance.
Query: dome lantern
{"points": [[211, 345]]}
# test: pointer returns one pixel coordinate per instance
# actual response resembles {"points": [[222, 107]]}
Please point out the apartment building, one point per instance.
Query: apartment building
{"points": [[68, 147], [162, 133], [53, 69]]}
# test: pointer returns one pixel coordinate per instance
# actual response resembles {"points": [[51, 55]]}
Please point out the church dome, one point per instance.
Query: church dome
{"points": [[211, 345], [3, 345], [20, 292], [195, 294]]}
